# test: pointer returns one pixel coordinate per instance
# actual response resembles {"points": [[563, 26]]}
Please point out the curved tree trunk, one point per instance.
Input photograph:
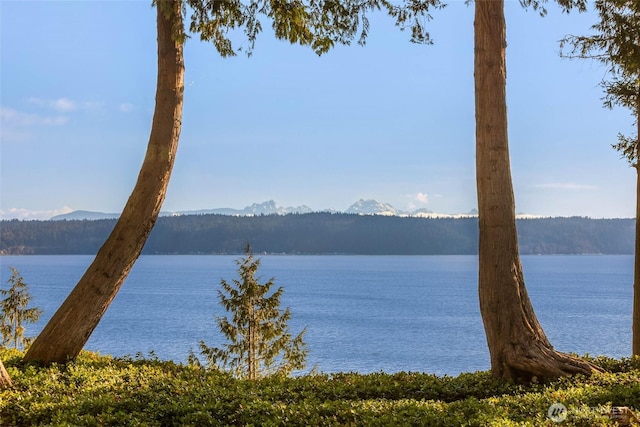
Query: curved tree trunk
{"points": [[70, 327], [5, 380], [517, 344]]}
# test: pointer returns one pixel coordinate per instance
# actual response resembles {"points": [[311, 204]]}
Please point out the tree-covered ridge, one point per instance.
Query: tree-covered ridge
{"points": [[321, 233]]}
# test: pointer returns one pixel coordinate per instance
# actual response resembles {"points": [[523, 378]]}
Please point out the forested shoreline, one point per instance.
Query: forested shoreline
{"points": [[320, 233]]}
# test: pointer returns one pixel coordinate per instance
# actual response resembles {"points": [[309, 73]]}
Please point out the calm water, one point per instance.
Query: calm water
{"points": [[362, 313]]}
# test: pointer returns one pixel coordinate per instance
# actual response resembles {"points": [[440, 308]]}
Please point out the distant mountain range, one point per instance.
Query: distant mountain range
{"points": [[361, 207], [266, 208], [374, 207]]}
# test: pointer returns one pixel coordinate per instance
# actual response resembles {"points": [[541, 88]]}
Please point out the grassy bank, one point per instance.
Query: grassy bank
{"points": [[99, 390]]}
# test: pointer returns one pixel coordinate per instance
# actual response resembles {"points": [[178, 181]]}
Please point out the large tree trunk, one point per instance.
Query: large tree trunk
{"points": [[517, 344], [635, 350], [5, 380], [70, 327]]}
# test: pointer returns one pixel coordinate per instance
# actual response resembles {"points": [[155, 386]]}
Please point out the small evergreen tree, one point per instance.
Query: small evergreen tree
{"points": [[259, 341], [15, 312]]}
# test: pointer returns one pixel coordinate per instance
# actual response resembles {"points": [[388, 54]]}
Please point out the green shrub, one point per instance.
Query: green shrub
{"points": [[99, 390]]}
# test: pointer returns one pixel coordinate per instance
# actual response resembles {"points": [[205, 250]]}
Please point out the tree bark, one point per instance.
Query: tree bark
{"points": [[5, 380], [518, 346], [71, 326], [635, 346]]}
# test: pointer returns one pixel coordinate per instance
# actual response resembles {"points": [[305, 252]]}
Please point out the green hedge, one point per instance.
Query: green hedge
{"points": [[103, 391]]}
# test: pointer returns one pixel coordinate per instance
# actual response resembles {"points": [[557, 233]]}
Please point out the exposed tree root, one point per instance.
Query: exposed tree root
{"points": [[537, 362], [5, 380]]}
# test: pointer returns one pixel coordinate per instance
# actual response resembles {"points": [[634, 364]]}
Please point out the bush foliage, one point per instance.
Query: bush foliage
{"points": [[103, 391]]}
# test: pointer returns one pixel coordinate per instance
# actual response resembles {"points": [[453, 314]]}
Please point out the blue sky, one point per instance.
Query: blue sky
{"points": [[392, 121]]}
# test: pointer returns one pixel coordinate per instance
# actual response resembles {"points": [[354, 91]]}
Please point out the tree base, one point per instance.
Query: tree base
{"points": [[535, 362], [5, 380]]}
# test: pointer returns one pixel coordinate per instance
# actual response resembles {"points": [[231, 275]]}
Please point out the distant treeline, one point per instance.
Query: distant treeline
{"points": [[321, 233]]}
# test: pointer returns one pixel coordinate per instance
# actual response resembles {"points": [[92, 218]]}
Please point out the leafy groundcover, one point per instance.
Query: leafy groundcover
{"points": [[99, 390]]}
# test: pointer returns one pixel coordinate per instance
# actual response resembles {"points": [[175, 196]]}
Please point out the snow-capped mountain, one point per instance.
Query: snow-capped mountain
{"points": [[270, 207], [372, 207], [265, 208]]}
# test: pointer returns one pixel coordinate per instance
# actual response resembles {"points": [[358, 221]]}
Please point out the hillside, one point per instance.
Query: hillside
{"points": [[321, 233]]}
